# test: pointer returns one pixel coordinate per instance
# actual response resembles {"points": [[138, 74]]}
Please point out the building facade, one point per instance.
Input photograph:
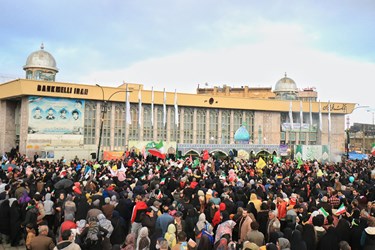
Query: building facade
{"points": [[41, 115]]}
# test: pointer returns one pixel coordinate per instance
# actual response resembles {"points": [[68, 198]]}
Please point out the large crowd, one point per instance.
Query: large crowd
{"points": [[197, 204]]}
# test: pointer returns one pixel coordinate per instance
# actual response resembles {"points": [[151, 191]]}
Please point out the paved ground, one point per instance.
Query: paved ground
{"points": [[8, 247]]}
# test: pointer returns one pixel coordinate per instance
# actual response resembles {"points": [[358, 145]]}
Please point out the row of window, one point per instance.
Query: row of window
{"points": [[224, 126]]}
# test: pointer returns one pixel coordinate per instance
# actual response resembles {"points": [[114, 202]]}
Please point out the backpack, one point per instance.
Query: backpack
{"points": [[92, 234], [205, 232]]}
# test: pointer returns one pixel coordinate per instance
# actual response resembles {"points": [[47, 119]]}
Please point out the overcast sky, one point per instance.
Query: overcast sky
{"points": [[177, 44]]}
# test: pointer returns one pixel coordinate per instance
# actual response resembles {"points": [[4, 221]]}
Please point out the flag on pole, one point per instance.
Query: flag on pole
{"points": [[341, 209], [261, 163], [373, 149], [301, 113], [156, 149], [152, 106], [139, 106], [175, 108], [164, 108], [311, 120], [323, 212], [128, 118], [329, 116], [291, 115], [320, 118]]}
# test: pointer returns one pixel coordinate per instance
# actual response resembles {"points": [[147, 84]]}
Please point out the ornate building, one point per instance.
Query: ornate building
{"points": [[63, 119]]}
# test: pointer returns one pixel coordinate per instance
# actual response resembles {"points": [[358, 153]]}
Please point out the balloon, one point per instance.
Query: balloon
{"points": [[10, 169], [351, 179]]}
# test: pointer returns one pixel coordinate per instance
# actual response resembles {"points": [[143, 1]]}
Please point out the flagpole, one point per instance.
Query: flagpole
{"points": [[329, 130], [301, 122]]}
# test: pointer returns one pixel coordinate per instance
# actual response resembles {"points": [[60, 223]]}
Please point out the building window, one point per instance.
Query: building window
{"points": [[249, 120], [214, 128], [201, 126], [147, 125], [175, 132], [106, 136], [89, 120], [119, 125], [225, 127], [237, 121], [188, 125], [134, 126], [162, 128]]}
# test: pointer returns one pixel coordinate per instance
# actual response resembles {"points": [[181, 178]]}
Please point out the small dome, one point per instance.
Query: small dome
{"points": [[41, 59], [286, 84], [242, 135]]}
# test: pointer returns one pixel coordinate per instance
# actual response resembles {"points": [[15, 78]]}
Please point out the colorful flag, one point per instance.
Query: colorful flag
{"points": [[156, 149], [164, 108], [261, 163], [291, 115], [276, 159], [162, 181], [341, 209], [323, 212], [175, 108], [373, 149], [300, 163], [139, 107], [128, 118], [329, 117], [320, 118], [301, 114], [152, 106]]}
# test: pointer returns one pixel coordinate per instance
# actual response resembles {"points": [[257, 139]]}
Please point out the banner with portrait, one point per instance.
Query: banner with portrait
{"points": [[48, 115]]}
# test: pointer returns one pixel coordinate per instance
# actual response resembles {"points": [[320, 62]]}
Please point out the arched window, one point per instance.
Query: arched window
{"points": [[201, 126], [225, 127]]}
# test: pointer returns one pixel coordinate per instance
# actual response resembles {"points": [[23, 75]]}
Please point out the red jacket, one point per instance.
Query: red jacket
{"points": [[140, 205], [216, 220], [281, 208]]}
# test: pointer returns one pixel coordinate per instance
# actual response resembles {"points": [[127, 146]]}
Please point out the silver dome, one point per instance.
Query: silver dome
{"points": [[41, 59], [286, 84]]}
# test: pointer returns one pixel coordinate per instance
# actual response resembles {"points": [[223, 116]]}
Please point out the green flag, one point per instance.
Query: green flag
{"points": [[276, 159], [300, 163], [196, 163]]}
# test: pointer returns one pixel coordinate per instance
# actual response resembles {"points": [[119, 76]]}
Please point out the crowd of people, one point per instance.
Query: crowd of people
{"points": [[137, 203]]}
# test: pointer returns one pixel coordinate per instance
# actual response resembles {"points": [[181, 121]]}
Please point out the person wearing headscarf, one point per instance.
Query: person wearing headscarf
{"points": [[129, 242], [202, 224], [296, 242], [309, 236], [217, 218], [143, 241], [170, 235], [107, 225], [118, 234], [226, 227], [4, 221], [283, 244], [368, 235], [15, 224]]}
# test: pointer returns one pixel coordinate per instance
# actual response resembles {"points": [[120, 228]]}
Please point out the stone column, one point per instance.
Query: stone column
{"points": [[155, 123], [140, 129], [24, 124], [169, 125], [231, 140], [195, 126], [182, 111], [219, 132], [207, 139], [2, 126]]}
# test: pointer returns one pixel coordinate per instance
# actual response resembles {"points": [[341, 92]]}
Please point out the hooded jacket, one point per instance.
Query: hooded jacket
{"points": [[216, 220], [48, 205], [67, 245], [139, 207]]}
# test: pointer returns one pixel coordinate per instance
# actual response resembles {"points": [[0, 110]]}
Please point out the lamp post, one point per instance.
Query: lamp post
{"points": [[104, 110], [348, 130]]}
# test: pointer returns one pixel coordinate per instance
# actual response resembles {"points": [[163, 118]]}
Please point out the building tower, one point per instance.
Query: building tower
{"points": [[41, 65], [286, 89]]}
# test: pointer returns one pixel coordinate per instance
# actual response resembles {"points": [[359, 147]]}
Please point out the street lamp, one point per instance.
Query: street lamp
{"points": [[348, 130], [104, 110]]}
